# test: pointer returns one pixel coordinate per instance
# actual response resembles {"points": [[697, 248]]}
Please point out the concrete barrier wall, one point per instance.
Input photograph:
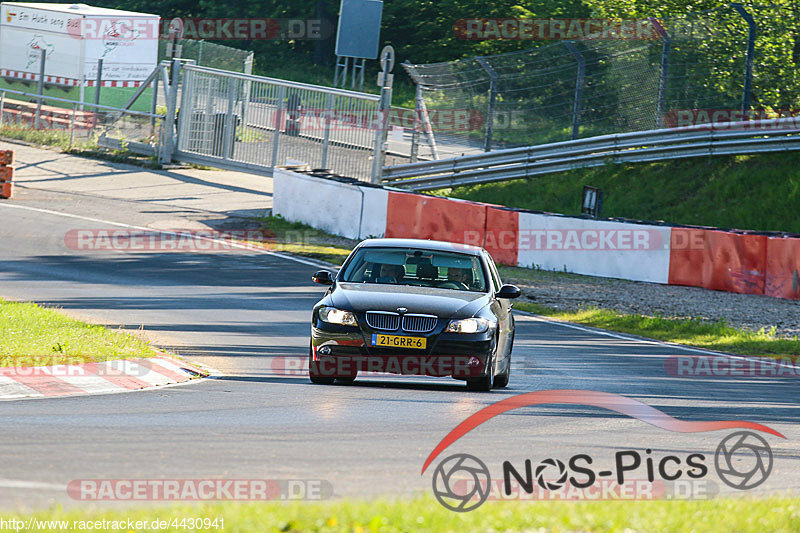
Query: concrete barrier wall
{"points": [[345, 209], [594, 247], [700, 257]]}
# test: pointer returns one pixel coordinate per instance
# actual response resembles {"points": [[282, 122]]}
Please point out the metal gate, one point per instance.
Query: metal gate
{"points": [[253, 123]]}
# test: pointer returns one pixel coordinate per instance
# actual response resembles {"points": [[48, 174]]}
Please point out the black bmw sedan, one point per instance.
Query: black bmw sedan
{"points": [[419, 307]]}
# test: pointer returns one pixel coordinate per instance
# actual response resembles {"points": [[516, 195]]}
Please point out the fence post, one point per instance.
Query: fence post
{"points": [[2, 108], [40, 90], [72, 125], [327, 136], [169, 122], [154, 106], [379, 152], [384, 110], [278, 120], [98, 82], [487, 142], [661, 103], [577, 103], [751, 47], [417, 126], [229, 128]]}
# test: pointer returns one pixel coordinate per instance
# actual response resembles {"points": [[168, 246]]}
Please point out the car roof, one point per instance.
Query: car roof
{"points": [[423, 244]]}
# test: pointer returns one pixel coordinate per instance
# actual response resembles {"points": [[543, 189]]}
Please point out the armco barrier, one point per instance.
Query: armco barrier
{"points": [[419, 216], [783, 268], [718, 260], [700, 257]]}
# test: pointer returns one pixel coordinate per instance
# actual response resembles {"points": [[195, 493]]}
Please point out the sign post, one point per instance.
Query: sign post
{"points": [[385, 80]]}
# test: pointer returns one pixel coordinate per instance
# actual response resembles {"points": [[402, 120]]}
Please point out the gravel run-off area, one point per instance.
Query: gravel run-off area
{"points": [[570, 292]]}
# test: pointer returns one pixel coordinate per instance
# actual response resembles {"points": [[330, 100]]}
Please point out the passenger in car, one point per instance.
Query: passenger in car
{"points": [[391, 273]]}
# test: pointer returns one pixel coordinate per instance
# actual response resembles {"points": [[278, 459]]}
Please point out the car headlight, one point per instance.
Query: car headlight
{"points": [[468, 325], [337, 316]]}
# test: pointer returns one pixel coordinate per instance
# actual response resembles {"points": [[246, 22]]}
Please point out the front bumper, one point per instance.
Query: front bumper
{"points": [[349, 350]]}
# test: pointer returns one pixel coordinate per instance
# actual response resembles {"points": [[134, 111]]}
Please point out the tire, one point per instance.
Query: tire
{"points": [[348, 379], [313, 373], [483, 383], [501, 380]]}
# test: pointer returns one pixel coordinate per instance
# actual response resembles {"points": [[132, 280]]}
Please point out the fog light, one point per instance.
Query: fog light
{"points": [[474, 362], [324, 350]]}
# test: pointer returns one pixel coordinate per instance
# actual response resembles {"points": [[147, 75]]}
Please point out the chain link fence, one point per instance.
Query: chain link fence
{"points": [[207, 54], [694, 68]]}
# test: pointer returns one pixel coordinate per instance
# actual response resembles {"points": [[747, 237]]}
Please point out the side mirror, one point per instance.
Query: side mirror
{"points": [[509, 291], [323, 277]]}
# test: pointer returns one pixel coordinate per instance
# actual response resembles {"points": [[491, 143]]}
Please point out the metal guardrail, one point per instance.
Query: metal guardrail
{"points": [[745, 137]]}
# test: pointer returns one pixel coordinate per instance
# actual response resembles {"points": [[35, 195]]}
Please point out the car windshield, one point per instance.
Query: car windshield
{"points": [[410, 266]]}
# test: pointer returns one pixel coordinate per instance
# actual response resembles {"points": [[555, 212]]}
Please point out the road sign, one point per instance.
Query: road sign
{"points": [[387, 58], [359, 28]]}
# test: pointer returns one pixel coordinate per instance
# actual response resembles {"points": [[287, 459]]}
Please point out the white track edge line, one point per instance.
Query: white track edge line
{"points": [[232, 244]]}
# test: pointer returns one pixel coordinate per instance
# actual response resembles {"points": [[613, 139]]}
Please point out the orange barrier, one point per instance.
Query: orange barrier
{"points": [[6, 157], [708, 258], [6, 173], [416, 216], [718, 260], [501, 236], [686, 257], [783, 268]]}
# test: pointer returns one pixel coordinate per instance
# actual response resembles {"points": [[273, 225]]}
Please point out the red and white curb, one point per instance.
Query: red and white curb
{"points": [[108, 377]]}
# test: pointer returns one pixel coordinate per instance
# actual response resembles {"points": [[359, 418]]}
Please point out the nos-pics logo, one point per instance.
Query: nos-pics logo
{"points": [[461, 482]]}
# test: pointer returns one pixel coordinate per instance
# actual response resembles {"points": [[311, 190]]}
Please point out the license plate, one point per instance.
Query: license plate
{"points": [[399, 341]]}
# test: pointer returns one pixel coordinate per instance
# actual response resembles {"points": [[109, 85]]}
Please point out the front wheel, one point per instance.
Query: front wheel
{"points": [[483, 383], [501, 380]]}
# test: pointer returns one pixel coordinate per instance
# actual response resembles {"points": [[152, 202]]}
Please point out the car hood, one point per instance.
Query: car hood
{"points": [[443, 303]]}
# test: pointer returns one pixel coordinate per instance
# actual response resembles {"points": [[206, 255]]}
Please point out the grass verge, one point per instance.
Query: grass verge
{"points": [[39, 336], [80, 147], [703, 334], [776, 514], [755, 192], [300, 239], [308, 242]]}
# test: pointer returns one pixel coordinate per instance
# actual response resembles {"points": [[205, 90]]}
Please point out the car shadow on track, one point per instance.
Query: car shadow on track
{"points": [[371, 383]]}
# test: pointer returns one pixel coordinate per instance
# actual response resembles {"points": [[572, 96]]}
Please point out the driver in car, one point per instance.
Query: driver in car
{"points": [[460, 275], [391, 273]]}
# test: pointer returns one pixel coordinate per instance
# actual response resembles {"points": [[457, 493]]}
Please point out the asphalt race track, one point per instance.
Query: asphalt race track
{"points": [[240, 312]]}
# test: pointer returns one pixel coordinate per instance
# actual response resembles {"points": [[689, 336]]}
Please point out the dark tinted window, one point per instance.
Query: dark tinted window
{"points": [[410, 266]]}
